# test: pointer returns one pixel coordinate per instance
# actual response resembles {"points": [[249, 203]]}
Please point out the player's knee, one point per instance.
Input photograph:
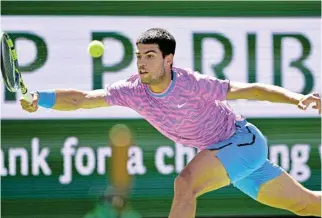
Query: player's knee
{"points": [[301, 209], [310, 206], [183, 186]]}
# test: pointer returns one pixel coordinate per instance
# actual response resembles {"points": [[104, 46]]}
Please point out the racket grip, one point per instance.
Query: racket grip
{"points": [[27, 96]]}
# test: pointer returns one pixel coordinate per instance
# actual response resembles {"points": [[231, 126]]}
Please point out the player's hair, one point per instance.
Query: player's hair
{"points": [[161, 37]]}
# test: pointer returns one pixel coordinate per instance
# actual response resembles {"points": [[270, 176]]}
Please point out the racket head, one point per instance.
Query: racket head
{"points": [[9, 63]]}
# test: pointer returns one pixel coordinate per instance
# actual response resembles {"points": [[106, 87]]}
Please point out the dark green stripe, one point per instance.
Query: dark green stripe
{"points": [[163, 8]]}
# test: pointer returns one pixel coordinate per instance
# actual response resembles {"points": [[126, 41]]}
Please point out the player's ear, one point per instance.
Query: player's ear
{"points": [[169, 60]]}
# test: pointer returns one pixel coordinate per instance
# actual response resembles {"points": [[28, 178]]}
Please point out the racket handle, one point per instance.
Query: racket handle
{"points": [[27, 96]]}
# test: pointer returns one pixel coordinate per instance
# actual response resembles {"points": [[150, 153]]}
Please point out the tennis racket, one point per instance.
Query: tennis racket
{"points": [[10, 69]]}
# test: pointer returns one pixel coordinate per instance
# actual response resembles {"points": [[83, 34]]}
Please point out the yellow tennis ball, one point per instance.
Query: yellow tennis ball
{"points": [[95, 49]]}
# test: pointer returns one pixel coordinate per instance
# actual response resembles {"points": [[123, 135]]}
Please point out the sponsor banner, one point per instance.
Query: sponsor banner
{"points": [[52, 54], [66, 160]]}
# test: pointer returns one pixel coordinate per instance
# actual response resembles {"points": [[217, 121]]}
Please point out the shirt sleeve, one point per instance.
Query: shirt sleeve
{"points": [[118, 93], [213, 88]]}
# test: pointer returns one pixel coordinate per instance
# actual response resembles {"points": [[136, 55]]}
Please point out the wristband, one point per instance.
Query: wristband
{"points": [[46, 99]]}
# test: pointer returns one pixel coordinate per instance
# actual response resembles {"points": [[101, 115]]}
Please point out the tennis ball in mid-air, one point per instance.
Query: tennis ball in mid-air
{"points": [[95, 49]]}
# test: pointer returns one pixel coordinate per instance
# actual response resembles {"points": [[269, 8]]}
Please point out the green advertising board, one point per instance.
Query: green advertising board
{"points": [[55, 190]]}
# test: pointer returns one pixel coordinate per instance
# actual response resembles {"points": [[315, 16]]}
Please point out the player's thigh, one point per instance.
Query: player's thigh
{"points": [[226, 161], [252, 183], [272, 186], [286, 193], [243, 153], [203, 173]]}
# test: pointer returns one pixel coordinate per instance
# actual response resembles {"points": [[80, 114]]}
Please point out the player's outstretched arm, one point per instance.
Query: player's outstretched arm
{"points": [[66, 100], [264, 92]]}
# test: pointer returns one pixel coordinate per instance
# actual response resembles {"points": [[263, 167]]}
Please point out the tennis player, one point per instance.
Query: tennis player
{"points": [[190, 109]]}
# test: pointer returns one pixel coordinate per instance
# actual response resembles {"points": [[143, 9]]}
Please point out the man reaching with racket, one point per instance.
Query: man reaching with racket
{"points": [[190, 109]]}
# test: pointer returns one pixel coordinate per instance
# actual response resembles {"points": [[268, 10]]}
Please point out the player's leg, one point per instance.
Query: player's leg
{"points": [[204, 173], [272, 186], [224, 162], [286, 193]]}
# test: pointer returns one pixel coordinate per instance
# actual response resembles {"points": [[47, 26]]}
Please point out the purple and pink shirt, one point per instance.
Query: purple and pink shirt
{"points": [[192, 111]]}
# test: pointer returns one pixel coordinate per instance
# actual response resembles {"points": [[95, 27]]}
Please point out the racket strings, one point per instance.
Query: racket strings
{"points": [[7, 66]]}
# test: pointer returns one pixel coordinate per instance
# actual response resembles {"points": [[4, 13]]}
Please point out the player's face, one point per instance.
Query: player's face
{"points": [[150, 63]]}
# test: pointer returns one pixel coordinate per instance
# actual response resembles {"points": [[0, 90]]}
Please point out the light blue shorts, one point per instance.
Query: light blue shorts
{"points": [[244, 156]]}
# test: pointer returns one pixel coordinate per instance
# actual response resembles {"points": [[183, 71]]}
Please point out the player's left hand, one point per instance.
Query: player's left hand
{"points": [[307, 100]]}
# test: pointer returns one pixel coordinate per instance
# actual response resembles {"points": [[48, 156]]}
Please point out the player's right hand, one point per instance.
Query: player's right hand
{"points": [[30, 107]]}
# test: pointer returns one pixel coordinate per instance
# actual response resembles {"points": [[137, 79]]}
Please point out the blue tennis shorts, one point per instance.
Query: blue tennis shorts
{"points": [[244, 156]]}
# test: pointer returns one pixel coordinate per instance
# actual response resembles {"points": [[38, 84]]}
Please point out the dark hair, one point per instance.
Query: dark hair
{"points": [[161, 37]]}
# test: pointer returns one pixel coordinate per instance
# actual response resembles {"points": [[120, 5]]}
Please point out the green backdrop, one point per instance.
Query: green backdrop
{"points": [[152, 191]]}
